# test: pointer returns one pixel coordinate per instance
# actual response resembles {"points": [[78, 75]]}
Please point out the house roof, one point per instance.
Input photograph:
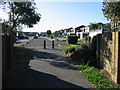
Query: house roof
{"points": [[80, 26]]}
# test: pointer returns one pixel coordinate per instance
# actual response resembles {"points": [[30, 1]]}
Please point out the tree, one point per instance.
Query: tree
{"points": [[22, 13], [48, 32], [57, 33], [5, 27], [111, 11], [94, 26]]}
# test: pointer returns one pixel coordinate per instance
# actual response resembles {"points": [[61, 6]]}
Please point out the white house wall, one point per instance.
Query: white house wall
{"points": [[85, 29], [95, 32]]}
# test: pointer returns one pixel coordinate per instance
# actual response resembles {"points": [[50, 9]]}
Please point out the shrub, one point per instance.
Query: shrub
{"points": [[84, 55], [68, 50], [93, 43], [52, 37], [72, 39], [71, 49]]}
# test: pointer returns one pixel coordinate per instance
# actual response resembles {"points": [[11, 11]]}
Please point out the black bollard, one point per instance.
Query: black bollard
{"points": [[53, 44], [44, 44]]}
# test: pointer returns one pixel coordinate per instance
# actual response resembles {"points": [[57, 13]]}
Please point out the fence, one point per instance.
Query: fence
{"points": [[108, 54]]}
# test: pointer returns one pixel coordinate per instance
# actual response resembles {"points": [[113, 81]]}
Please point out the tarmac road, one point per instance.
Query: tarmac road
{"points": [[49, 68]]}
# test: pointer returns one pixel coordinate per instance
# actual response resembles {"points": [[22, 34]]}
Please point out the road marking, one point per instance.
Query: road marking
{"points": [[50, 39], [59, 45]]}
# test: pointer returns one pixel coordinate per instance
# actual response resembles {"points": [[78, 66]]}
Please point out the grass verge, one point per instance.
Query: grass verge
{"points": [[61, 38], [76, 46], [93, 75], [65, 48], [17, 41]]}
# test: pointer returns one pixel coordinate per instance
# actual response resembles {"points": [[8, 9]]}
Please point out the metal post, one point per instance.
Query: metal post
{"points": [[53, 44], [44, 44]]}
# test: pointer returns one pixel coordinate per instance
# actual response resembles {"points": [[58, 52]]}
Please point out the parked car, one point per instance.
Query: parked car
{"points": [[43, 35], [22, 37], [35, 37], [61, 35]]}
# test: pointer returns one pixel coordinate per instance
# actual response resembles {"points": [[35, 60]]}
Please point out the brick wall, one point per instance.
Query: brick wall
{"points": [[108, 54]]}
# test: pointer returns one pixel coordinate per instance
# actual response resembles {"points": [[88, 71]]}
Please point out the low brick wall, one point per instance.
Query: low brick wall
{"points": [[108, 56]]}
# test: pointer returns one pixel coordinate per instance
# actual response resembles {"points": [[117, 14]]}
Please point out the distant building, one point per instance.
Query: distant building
{"points": [[82, 31], [70, 31], [95, 32]]}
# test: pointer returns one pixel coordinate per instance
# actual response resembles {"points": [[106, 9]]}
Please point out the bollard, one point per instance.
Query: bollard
{"points": [[44, 44], [52, 44]]}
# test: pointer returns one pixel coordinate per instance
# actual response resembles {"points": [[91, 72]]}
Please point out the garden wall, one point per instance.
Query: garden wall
{"points": [[108, 54]]}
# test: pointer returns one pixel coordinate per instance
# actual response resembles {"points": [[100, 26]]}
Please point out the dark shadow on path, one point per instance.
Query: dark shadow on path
{"points": [[54, 59], [24, 77], [30, 78]]}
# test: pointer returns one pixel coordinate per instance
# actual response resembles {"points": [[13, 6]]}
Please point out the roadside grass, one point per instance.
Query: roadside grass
{"points": [[65, 48], [32, 47], [76, 46], [57, 38], [93, 75], [60, 38], [79, 40], [17, 41]]}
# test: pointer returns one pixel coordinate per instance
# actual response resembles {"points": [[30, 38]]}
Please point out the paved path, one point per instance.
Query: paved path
{"points": [[50, 69]]}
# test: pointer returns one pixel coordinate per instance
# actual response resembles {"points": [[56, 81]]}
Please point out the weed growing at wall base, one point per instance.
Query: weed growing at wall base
{"points": [[93, 75]]}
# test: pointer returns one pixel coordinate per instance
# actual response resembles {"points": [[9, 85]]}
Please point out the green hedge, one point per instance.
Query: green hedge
{"points": [[72, 39]]}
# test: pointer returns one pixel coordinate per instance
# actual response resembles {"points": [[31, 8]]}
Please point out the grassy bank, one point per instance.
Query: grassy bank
{"points": [[93, 75]]}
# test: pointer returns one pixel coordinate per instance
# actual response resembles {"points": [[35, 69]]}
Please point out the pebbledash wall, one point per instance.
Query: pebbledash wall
{"points": [[108, 54]]}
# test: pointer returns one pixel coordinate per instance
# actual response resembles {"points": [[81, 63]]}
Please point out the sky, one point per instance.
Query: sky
{"points": [[61, 15]]}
